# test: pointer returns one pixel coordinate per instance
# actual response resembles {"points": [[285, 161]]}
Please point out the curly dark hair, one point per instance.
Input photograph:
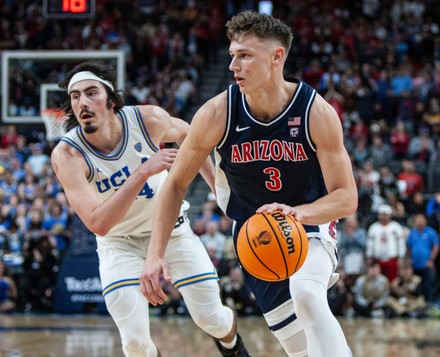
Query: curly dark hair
{"points": [[103, 71], [261, 25]]}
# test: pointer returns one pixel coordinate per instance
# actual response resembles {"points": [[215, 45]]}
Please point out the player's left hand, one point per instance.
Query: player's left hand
{"points": [[150, 279], [275, 206]]}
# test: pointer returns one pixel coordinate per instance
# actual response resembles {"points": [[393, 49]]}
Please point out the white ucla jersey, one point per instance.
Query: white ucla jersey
{"points": [[108, 172]]}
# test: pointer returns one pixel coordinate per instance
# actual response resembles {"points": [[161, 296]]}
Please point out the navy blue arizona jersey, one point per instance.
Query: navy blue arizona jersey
{"points": [[264, 162]]}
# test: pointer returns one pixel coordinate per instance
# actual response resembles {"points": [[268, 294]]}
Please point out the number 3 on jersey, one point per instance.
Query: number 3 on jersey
{"points": [[274, 182]]}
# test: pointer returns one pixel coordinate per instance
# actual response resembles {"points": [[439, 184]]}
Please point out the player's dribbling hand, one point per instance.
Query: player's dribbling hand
{"points": [[301, 213], [150, 280], [272, 207]]}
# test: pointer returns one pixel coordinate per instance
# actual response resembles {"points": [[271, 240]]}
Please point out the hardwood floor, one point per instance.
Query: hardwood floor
{"points": [[97, 336]]}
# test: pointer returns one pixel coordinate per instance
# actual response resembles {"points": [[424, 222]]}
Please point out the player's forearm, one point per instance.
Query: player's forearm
{"points": [[208, 173], [111, 211], [336, 205]]}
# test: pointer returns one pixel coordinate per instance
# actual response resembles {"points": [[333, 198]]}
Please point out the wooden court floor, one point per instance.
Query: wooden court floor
{"points": [[96, 336]]}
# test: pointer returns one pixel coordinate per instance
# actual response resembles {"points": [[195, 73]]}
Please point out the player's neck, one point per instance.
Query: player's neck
{"points": [[108, 135], [268, 103]]}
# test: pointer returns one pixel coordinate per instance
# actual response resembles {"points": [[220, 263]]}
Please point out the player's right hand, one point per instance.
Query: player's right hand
{"points": [[150, 279], [161, 160]]}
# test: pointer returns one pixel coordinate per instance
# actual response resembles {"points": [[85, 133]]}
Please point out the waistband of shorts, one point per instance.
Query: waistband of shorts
{"points": [[180, 220]]}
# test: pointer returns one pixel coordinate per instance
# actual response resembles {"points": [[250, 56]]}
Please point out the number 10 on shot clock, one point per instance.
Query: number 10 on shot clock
{"points": [[73, 9]]}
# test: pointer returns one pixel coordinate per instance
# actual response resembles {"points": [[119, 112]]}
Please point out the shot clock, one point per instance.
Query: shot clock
{"points": [[68, 9]]}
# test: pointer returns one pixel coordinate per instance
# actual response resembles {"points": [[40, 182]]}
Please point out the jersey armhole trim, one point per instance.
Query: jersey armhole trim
{"points": [[228, 117], [143, 128], [307, 121], [70, 142]]}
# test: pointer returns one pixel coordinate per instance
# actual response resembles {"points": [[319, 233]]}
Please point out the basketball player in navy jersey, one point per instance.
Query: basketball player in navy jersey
{"points": [[278, 146], [112, 170]]}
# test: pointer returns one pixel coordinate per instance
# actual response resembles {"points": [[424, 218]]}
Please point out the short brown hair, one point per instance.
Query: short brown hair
{"points": [[261, 25]]}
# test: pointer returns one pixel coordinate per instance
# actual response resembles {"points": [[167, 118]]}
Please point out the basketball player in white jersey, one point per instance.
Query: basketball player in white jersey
{"points": [[279, 146], [111, 168]]}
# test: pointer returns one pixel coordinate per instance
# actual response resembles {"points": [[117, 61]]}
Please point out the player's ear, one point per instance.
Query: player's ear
{"points": [[278, 55], [110, 103]]}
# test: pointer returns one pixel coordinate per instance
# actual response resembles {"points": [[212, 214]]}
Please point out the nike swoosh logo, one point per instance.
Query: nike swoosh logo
{"points": [[238, 129]]}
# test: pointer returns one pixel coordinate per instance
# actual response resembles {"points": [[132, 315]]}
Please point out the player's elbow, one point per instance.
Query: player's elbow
{"points": [[351, 209], [100, 232], [350, 203], [99, 228]]}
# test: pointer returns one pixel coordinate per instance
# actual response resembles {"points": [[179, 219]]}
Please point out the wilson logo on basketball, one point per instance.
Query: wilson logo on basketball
{"points": [[286, 228]]}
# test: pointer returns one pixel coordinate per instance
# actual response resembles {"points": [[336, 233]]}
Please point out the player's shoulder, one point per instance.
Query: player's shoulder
{"points": [[63, 152], [154, 116], [152, 111], [209, 122], [323, 115], [216, 105], [320, 104]]}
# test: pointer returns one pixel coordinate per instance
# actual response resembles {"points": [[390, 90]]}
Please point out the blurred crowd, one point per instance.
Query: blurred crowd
{"points": [[165, 45], [376, 62]]}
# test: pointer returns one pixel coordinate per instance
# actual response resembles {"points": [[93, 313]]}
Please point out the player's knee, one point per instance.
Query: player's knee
{"points": [[307, 291], [135, 347], [216, 323], [304, 298]]}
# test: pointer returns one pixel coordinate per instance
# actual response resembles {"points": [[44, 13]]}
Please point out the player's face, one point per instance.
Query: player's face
{"points": [[89, 103], [251, 62]]}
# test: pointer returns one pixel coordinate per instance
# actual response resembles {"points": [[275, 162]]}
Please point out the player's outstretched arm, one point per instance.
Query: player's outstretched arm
{"points": [[342, 199], [168, 129], [205, 132], [100, 217]]}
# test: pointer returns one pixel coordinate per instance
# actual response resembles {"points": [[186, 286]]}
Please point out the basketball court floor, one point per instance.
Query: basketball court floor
{"points": [[96, 336]]}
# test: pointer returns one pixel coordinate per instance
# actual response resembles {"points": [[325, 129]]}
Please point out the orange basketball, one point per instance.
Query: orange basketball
{"points": [[271, 246]]}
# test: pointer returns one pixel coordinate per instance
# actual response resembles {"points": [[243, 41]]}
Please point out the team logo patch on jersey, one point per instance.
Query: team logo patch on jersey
{"points": [[294, 132], [138, 147]]}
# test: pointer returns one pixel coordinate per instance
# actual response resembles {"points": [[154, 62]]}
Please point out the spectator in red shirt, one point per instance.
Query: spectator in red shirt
{"points": [[313, 73], [9, 137], [413, 181], [400, 139], [359, 130], [335, 99]]}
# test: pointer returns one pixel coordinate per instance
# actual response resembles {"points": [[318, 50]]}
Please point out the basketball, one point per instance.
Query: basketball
{"points": [[272, 247]]}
